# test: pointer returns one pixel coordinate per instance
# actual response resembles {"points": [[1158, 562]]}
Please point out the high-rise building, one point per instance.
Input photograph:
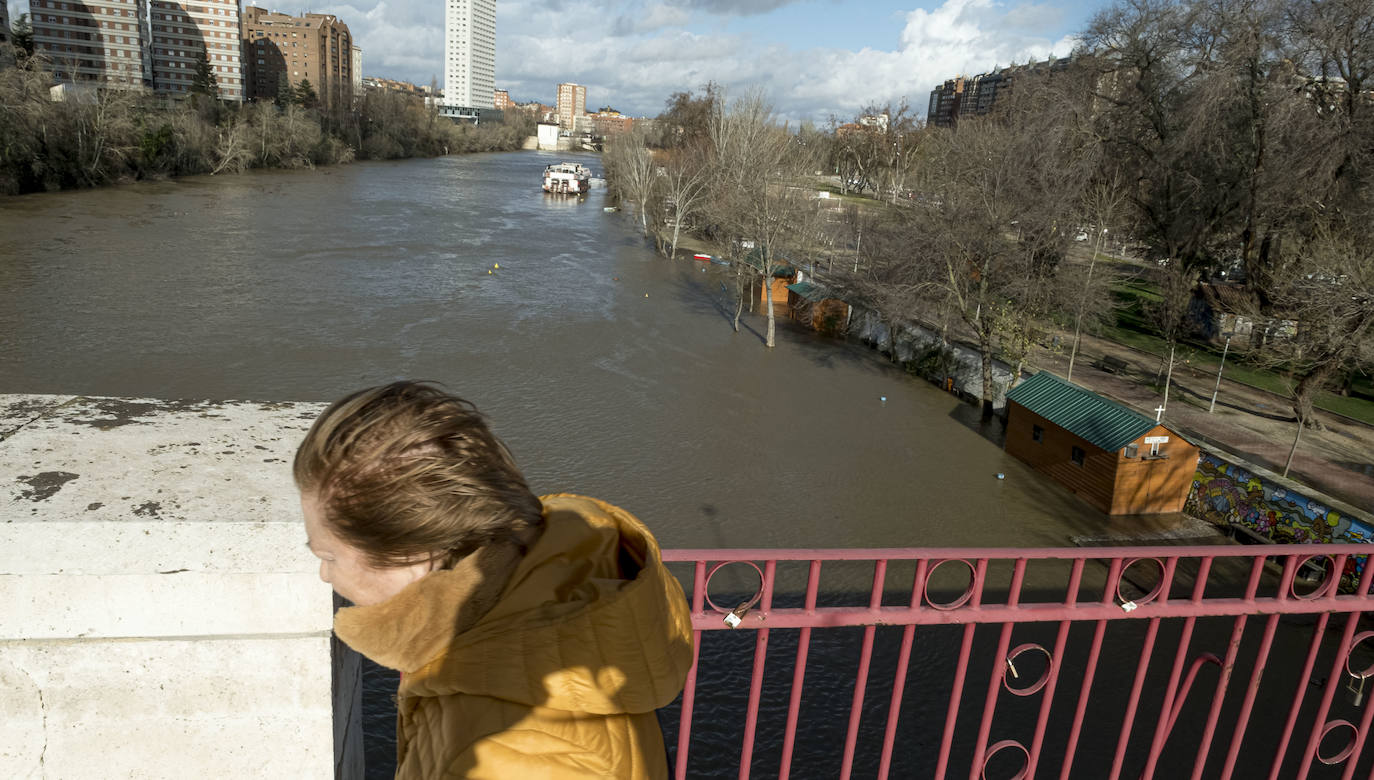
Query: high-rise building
{"points": [[138, 44], [102, 41], [469, 53], [281, 49], [180, 34], [356, 64], [501, 101], [572, 103]]}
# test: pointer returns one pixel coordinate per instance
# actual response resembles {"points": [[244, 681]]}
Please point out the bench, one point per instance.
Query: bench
{"points": [[1112, 364]]}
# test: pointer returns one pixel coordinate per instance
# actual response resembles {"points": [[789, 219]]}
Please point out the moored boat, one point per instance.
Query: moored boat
{"points": [[567, 178]]}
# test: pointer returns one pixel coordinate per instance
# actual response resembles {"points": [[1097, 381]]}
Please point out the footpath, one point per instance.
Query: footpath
{"points": [[1252, 423]]}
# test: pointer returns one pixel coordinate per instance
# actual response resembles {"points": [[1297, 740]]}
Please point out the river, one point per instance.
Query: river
{"points": [[607, 369]]}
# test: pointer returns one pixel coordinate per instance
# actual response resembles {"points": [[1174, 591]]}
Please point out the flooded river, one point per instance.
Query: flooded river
{"points": [[607, 369]]}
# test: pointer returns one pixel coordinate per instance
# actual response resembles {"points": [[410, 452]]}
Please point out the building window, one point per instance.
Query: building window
{"points": [[1037, 433], [1132, 450], [1077, 455]]}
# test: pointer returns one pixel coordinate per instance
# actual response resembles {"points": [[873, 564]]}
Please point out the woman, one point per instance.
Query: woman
{"points": [[535, 637]]}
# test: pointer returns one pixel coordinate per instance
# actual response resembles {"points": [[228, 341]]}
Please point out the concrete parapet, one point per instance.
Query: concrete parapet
{"points": [[161, 615]]}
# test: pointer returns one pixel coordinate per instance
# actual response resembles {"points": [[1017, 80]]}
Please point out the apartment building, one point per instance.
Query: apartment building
{"points": [[469, 53], [502, 101], [572, 103], [179, 33], [99, 41], [139, 44], [965, 96], [291, 49]]}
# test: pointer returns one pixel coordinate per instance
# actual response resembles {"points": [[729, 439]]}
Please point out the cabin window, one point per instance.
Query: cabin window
{"points": [[1077, 454], [1037, 433], [1132, 450]]}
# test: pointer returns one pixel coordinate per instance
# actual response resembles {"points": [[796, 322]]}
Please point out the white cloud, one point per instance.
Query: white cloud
{"points": [[635, 67], [633, 54]]}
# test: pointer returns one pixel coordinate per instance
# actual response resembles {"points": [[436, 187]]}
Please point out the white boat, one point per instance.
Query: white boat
{"points": [[567, 178]]}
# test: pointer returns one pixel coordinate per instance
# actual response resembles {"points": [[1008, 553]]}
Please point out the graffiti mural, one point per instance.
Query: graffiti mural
{"points": [[1226, 494]]}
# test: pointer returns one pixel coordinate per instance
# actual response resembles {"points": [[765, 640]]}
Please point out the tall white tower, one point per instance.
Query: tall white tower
{"points": [[469, 53]]}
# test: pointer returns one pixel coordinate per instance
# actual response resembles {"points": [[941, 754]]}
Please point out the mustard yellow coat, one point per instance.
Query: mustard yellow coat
{"points": [[560, 679]]}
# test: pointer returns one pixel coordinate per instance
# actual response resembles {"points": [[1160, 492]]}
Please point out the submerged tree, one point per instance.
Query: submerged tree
{"points": [[762, 209]]}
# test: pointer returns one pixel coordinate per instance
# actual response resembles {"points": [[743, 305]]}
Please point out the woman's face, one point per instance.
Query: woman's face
{"points": [[346, 568]]}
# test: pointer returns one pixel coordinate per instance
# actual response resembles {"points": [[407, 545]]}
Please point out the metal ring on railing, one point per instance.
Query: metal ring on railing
{"points": [[749, 603], [1368, 671], [1007, 743], [1038, 684], [1330, 726], [962, 600], [1328, 582], [1148, 597]]}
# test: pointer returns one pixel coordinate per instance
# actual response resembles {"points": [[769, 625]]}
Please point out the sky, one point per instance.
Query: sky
{"points": [[814, 59]]}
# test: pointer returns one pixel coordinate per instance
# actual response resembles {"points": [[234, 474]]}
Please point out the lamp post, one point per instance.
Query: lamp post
{"points": [[1220, 368]]}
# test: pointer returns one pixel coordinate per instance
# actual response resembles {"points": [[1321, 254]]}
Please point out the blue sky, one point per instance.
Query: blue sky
{"points": [[813, 58]]}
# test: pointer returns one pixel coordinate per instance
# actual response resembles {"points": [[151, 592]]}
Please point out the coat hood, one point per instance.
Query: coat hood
{"points": [[590, 622]]}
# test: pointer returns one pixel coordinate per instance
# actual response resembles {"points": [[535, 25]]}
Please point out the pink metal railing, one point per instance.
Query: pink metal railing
{"points": [[1234, 582]]}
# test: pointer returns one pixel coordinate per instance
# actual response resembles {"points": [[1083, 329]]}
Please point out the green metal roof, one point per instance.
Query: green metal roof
{"points": [[810, 292], [1080, 411]]}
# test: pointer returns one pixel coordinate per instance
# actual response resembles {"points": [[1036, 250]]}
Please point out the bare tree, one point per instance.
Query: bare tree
{"points": [[685, 183], [632, 173], [759, 199]]}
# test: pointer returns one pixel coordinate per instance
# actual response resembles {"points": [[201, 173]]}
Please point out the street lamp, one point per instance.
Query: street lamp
{"points": [[1220, 368]]}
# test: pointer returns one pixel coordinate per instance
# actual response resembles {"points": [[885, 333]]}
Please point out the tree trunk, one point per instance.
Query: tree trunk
{"points": [[673, 256], [1293, 450], [1168, 377], [768, 298], [1305, 393]]}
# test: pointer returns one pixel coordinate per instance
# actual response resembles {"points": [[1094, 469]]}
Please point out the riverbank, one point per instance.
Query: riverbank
{"points": [[1337, 461], [101, 137]]}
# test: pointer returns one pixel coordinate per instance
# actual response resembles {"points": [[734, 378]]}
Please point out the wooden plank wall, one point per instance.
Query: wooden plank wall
{"points": [[1147, 485], [1093, 481]]}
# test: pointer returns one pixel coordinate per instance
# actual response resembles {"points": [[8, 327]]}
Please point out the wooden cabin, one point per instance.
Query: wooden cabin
{"points": [[1115, 458], [811, 301]]}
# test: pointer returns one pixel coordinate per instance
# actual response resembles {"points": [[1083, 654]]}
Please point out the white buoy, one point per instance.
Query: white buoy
{"points": [[1000, 475], [882, 398]]}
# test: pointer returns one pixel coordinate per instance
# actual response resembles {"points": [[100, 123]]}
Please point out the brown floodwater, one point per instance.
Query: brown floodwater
{"points": [[607, 369]]}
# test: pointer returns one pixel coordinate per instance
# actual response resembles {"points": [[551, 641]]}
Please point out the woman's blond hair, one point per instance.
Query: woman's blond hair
{"points": [[407, 471]]}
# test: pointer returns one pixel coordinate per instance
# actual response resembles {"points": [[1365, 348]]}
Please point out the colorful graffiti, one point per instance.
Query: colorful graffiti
{"points": [[1226, 494]]}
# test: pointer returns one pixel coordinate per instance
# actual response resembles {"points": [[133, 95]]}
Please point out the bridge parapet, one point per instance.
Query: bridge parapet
{"points": [[162, 616]]}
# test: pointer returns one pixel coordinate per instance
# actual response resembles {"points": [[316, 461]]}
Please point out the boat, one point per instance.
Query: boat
{"points": [[567, 178]]}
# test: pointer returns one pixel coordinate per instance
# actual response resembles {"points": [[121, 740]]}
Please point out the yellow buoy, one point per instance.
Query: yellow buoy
{"points": [[498, 265], [488, 271]]}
